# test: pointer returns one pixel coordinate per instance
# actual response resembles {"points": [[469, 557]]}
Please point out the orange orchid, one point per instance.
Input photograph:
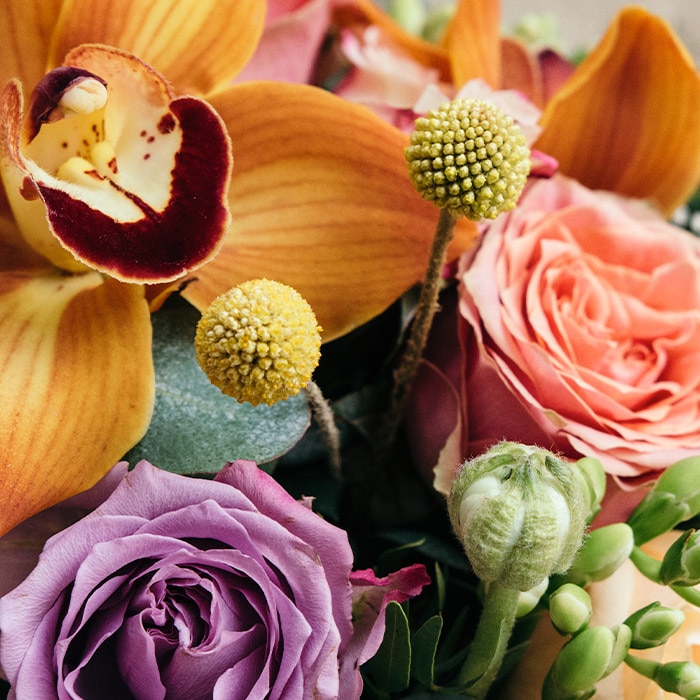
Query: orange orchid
{"points": [[116, 176], [626, 120]]}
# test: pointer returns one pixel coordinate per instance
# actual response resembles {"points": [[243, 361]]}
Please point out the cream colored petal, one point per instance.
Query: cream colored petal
{"points": [[76, 385]]}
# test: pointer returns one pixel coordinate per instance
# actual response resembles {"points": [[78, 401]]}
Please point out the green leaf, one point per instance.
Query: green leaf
{"points": [[195, 428], [423, 647], [391, 665]]}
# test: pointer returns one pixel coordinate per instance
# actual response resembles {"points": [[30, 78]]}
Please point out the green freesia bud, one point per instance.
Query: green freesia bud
{"points": [[675, 497], [520, 514], [681, 563], [437, 21], [680, 677], [584, 660], [570, 608], [528, 600], [653, 625], [602, 553], [592, 474], [409, 14]]}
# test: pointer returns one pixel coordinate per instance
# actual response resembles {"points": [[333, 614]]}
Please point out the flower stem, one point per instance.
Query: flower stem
{"points": [[323, 415], [645, 667], [491, 640], [647, 565], [418, 335]]}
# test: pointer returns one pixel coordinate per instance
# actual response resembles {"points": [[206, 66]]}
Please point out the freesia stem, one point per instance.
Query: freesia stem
{"points": [[646, 565], [418, 335], [325, 420], [491, 640]]}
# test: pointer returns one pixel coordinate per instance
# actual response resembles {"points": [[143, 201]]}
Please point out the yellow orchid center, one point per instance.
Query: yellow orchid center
{"points": [[110, 170], [469, 157], [259, 342]]}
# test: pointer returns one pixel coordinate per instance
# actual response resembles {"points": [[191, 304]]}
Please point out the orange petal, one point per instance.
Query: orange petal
{"points": [[629, 118], [321, 201], [197, 44], [473, 42], [359, 14], [520, 70], [76, 385], [25, 34]]}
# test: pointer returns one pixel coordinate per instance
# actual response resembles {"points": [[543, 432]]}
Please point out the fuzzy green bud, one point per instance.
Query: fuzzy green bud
{"points": [[675, 497], [570, 608], [603, 552], [586, 658], [680, 677], [469, 157], [653, 625], [681, 563], [519, 513], [593, 476]]}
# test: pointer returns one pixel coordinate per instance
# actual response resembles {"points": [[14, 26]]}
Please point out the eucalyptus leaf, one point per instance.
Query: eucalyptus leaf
{"points": [[195, 429], [390, 667]]}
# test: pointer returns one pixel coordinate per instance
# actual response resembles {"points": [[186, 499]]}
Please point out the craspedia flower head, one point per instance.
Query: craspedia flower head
{"points": [[469, 157], [259, 342]]}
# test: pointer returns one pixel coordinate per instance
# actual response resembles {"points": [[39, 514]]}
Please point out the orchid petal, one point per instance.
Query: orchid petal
{"points": [[25, 32], [359, 14], [321, 201], [629, 119], [136, 189], [62, 334], [473, 42], [198, 44]]}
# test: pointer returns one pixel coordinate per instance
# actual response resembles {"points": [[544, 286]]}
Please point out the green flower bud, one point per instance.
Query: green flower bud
{"points": [[680, 677], [570, 608], [468, 157], [519, 513], [602, 553], [681, 563], [409, 14], [674, 498], [528, 600], [653, 625], [584, 660], [593, 476]]}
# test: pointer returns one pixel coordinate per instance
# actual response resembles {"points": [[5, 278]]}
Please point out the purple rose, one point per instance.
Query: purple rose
{"points": [[186, 588]]}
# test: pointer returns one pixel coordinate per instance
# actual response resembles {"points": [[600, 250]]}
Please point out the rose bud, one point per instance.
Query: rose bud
{"points": [[520, 514], [653, 625], [602, 553], [675, 497], [681, 563], [570, 608]]}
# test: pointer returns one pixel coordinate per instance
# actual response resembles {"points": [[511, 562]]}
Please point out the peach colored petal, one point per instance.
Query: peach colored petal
{"points": [[320, 200], [25, 34], [520, 70], [198, 44], [629, 119], [473, 42], [358, 14], [76, 385]]}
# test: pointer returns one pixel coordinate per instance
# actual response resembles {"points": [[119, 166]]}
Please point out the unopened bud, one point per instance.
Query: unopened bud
{"points": [[519, 513], [680, 677], [570, 608], [604, 550], [528, 600], [681, 563], [653, 625], [593, 477], [675, 497]]}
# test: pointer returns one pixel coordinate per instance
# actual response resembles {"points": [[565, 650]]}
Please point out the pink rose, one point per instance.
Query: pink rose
{"points": [[187, 588], [582, 330]]}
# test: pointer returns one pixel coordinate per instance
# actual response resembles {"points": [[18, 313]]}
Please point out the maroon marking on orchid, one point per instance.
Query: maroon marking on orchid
{"points": [[112, 165], [142, 134], [166, 124], [162, 244], [48, 92], [146, 156], [94, 174], [28, 189], [150, 139]]}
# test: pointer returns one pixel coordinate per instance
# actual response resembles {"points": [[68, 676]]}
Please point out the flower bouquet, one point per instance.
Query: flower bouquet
{"points": [[347, 352]]}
